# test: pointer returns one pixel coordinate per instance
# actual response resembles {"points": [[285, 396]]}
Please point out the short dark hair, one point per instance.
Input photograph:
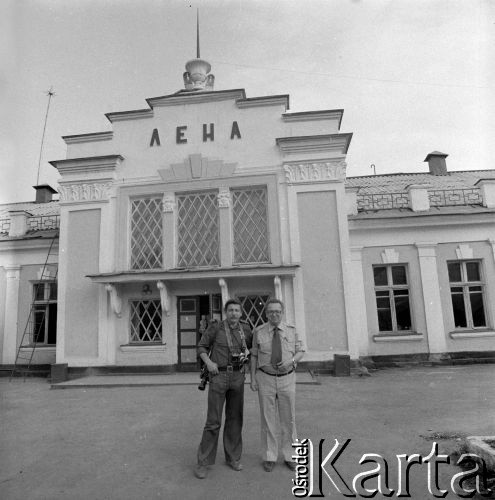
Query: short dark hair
{"points": [[230, 302], [275, 301]]}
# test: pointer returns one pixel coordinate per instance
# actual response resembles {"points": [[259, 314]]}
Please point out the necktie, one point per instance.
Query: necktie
{"points": [[276, 348]]}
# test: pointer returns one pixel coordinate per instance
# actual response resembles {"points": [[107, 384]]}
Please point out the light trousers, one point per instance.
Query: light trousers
{"points": [[277, 396]]}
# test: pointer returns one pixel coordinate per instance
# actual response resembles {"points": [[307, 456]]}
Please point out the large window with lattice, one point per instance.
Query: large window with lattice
{"points": [[253, 309], [198, 231], [250, 226], [146, 321], [146, 233]]}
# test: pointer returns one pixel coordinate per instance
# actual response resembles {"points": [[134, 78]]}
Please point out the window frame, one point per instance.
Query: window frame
{"points": [[137, 300], [197, 192], [390, 288], [465, 285], [268, 260], [131, 201], [39, 305]]}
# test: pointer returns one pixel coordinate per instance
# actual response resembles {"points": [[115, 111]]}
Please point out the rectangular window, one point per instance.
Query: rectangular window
{"points": [[44, 319], [250, 226], [253, 309], [392, 298], [198, 230], [146, 321], [146, 233], [467, 293]]}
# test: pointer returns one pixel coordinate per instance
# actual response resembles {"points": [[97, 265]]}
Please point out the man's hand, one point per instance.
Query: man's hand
{"points": [[212, 368], [285, 366], [254, 385]]}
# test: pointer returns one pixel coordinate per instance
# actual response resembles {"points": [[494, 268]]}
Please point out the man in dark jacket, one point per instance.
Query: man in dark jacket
{"points": [[224, 348]]}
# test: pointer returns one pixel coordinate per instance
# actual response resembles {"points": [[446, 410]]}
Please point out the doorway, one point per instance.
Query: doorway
{"points": [[194, 314]]}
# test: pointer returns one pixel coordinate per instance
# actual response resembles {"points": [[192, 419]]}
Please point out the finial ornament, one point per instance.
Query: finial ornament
{"points": [[196, 76]]}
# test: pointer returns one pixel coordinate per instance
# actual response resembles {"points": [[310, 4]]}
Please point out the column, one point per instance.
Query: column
{"points": [[431, 296], [13, 274]]}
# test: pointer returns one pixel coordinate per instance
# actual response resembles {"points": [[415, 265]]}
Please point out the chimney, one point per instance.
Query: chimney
{"points": [[44, 193], [436, 163]]}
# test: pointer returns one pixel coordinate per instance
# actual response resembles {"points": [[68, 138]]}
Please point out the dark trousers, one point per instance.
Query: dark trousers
{"points": [[225, 387]]}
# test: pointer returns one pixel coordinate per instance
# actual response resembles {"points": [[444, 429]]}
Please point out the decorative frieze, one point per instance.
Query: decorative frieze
{"points": [[96, 191], [315, 172]]}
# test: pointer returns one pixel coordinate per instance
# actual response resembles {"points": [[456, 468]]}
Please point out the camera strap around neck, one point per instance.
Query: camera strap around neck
{"points": [[229, 334]]}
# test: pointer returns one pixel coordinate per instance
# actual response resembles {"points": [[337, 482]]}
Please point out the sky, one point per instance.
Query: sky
{"points": [[413, 76]]}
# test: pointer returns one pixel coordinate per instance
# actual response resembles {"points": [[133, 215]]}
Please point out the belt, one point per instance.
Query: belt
{"points": [[229, 368], [277, 374]]}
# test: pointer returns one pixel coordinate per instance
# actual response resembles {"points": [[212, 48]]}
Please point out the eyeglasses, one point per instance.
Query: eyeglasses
{"points": [[273, 312]]}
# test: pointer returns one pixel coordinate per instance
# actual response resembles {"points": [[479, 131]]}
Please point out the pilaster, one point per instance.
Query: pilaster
{"points": [[431, 297], [13, 274], [225, 219]]}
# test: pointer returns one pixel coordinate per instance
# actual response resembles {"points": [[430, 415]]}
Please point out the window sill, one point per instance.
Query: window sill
{"points": [[45, 347], [394, 337], [471, 334], [143, 348]]}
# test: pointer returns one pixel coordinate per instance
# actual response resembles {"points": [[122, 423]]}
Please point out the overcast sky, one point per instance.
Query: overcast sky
{"points": [[412, 76]]}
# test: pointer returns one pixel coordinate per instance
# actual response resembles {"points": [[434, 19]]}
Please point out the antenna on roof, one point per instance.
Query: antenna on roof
{"points": [[50, 94], [197, 34], [374, 168]]}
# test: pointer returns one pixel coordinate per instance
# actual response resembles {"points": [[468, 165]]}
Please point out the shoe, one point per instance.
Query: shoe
{"points": [[291, 465], [268, 466], [200, 471], [237, 466]]}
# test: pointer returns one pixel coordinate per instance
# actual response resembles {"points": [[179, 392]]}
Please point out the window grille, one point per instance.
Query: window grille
{"points": [[392, 298], [467, 294], [146, 233], [250, 228], [44, 326], [253, 309], [146, 321], [198, 230]]}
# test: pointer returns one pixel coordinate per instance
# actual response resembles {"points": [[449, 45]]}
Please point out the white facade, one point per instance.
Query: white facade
{"points": [[207, 195]]}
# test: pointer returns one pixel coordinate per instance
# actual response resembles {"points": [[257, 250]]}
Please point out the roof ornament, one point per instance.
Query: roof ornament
{"points": [[196, 76]]}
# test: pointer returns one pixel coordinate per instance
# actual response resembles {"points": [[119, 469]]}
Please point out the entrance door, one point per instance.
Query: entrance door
{"points": [[194, 314]]}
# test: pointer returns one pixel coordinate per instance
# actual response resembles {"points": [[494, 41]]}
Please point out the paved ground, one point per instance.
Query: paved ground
{"points": [[140, 442]]}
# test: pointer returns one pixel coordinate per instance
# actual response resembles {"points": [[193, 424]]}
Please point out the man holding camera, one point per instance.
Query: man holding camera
{"points": [[224, 348], [274, 355]]}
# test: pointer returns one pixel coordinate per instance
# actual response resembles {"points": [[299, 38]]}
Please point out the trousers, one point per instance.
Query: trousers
{"points": [[277, 395], [228, 388]]}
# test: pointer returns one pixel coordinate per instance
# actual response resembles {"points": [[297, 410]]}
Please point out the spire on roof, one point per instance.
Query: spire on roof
{"points": [[197, 75]]}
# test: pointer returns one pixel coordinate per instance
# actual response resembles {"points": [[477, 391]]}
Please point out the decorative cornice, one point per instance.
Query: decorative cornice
{"points": [[304, 116], [311, 172], [197, 166], [184, 97], [270, 100], [96, 191], [87, 165], [314, 143], [93, 137], [135, 114]]}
